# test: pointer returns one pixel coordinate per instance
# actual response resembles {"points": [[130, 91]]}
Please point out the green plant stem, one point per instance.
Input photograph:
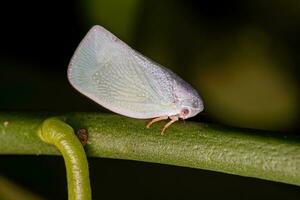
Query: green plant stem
{"points": [[264, 155], [11, 191], [55, 131]]}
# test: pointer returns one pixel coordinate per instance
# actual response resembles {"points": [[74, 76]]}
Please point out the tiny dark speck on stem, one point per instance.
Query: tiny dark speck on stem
{"points": [[83, 136]]}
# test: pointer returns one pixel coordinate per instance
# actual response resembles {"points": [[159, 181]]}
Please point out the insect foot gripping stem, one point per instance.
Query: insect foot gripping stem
{"points": [[55, 131], [156, 120], [173, 119]]}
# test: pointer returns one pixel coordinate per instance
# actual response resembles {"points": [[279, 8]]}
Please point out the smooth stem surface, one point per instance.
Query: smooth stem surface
{"points": [[55, 131], [11, 191], [264, 155]]}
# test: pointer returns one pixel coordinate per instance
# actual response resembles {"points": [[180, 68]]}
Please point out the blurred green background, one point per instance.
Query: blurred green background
{"points": [[242, 57]]}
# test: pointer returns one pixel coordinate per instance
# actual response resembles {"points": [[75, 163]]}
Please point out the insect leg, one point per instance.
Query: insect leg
{"points": [[156, 120], [173, 119]]}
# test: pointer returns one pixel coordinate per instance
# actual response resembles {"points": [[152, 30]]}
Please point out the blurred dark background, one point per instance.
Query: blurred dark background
{"points": [[242, 57]]}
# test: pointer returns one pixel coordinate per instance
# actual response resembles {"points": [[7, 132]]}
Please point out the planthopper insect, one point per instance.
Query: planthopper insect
{"points": [[122, 80]]}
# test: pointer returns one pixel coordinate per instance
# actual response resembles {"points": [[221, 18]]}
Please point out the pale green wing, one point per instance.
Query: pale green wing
{"points": [[112, 74]]}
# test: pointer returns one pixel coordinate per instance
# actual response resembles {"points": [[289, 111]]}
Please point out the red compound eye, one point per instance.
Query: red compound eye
{"points": [[185, 112]]}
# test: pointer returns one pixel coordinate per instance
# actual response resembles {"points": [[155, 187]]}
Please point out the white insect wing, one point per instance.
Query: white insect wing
{"points": [[114, 75]]}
